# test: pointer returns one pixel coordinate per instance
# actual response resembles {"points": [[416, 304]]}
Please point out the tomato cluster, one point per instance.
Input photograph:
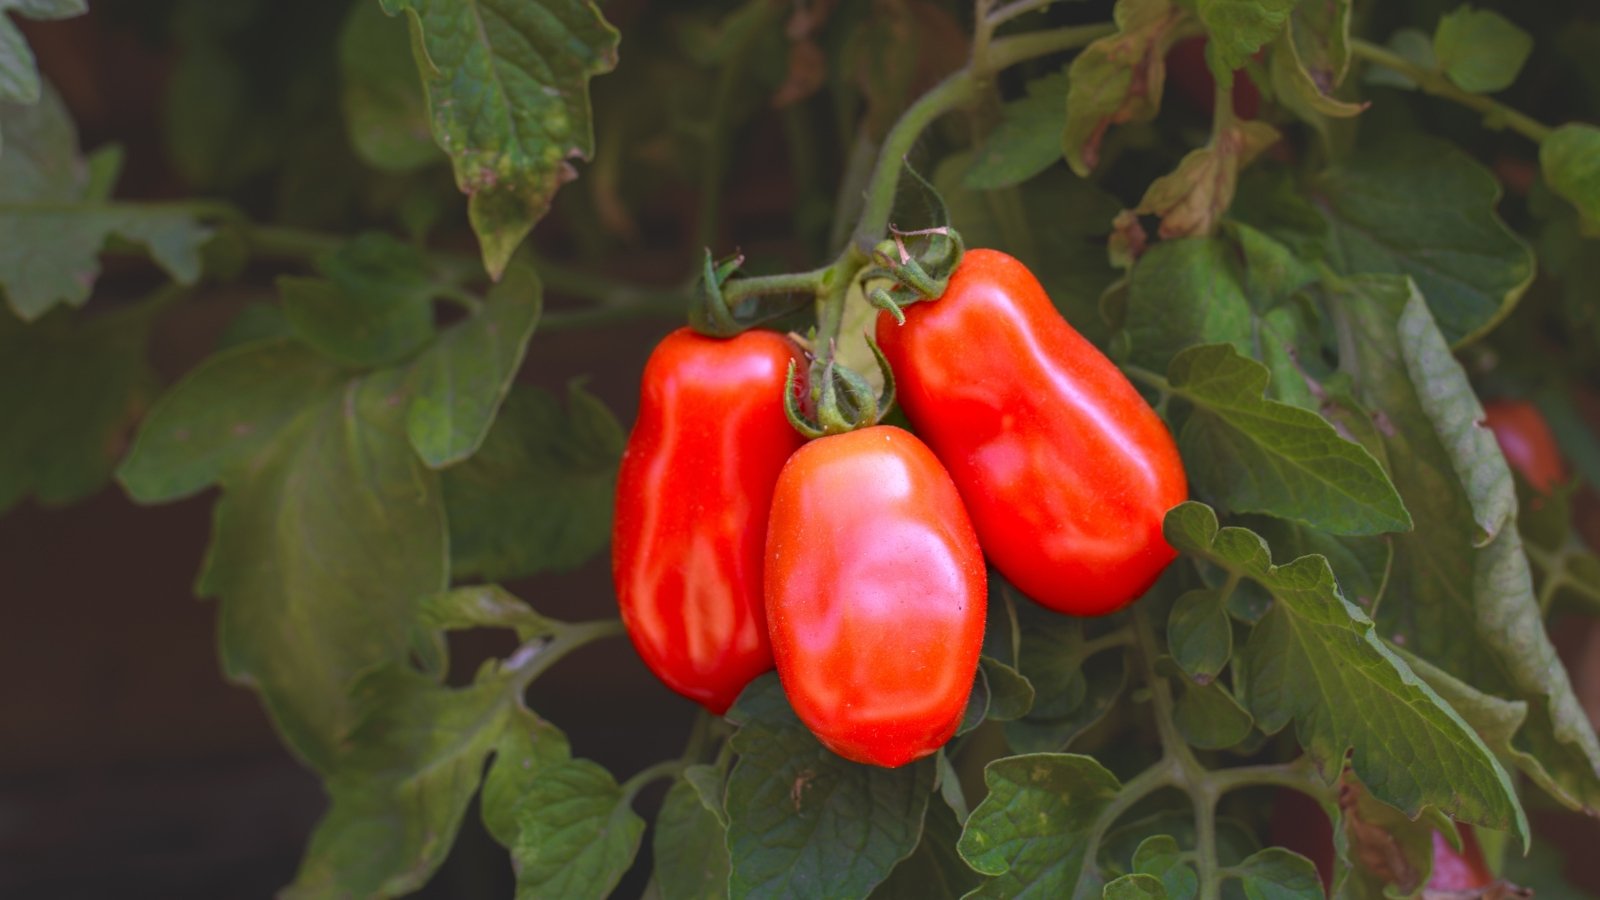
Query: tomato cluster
{"points": [[855, 563]]}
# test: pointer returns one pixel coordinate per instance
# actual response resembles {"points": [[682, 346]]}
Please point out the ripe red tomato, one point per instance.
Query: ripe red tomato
{"points": [[1066, 471], [876, 594], [1461, 871], [1188, 73], [1526, 440], [691, 511]]}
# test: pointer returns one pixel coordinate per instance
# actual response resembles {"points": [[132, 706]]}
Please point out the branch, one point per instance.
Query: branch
{"points": [[1495, 114]]}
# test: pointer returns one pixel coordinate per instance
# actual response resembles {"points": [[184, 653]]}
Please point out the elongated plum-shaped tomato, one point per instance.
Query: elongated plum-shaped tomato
{"points": [[876, 593], [1067, 472], [691, 513]]}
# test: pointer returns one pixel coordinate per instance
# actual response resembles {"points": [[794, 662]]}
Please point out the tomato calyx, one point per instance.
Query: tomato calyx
{"points": [[713, 315], [914, 276], [837, 397]]}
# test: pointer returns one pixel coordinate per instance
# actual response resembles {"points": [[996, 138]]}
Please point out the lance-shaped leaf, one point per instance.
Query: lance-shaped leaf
{"points": [[1118, 78], [1037, 831], [802, 821], [1252, 454], [324, 546], [508, 93], [1191, 198], [1027, 140], [54, 217], [1464, 561], [1313, 659], [1422, 207], [464, 377], [1311, 59]]}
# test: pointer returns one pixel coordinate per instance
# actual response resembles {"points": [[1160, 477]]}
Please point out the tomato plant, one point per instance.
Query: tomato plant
{"points": [[876, 594], [693, 493], [1161, 551], [1066, 470]]}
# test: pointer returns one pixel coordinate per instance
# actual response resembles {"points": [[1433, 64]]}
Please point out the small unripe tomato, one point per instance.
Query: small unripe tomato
{"points": [[1066, 470], [876, 595], [693, 494]]}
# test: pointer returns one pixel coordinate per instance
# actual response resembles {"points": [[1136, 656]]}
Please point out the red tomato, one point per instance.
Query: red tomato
{"points": [[1462, 871], [1066, 471], [876, 594], [1526, 440], [1299, 823], [691, 512], [1188, 73]]}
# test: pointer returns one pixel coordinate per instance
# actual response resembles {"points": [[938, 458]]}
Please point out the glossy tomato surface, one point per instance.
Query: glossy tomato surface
{"points": [[1067, 472], [876, 593], [691, 511], [1527, 441]]}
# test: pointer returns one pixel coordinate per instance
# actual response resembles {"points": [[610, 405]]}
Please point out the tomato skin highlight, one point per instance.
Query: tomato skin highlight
{"points": [[876, 595], [1527, 441], [1066, 471], [693, 494]]}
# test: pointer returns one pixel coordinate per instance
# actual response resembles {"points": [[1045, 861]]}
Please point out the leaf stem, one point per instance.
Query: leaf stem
{"points": [[536, 656], [665, 769], [1496, 115]]}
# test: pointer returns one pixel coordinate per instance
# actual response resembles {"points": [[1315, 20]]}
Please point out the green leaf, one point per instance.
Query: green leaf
{"points": [[385, 112], [257, 321], [1118, 78], [1251, 454], [1135, 887], [934, 869], [323, 548], [1459, 594], [1241, 288], [578, 834], [1209, 717], [1097, 688], [507, 86], [803, 822], [52, 227], [1311, 60], [70, 393], [691, 850], [1480, 50], [1120, 846], [1238, 28], [222, 415], [537, 495], [1010, 694], [402, 783], [1027, 140], [483, 606], [1412, 45], [528, 748], [1034, 832], [374, 307], [19, 75], [1422, 207], [1279, 874], [1160, 856], [1199, 634], [461, 381], [1570, 158], [1496, 721], [1314, 659]]}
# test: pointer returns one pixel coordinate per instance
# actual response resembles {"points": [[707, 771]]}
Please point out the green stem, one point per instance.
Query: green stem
{"points": [[533, 658], [1300, 775], [1122, 637], [1189, 774], [667, 769], [1496, 115]]}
